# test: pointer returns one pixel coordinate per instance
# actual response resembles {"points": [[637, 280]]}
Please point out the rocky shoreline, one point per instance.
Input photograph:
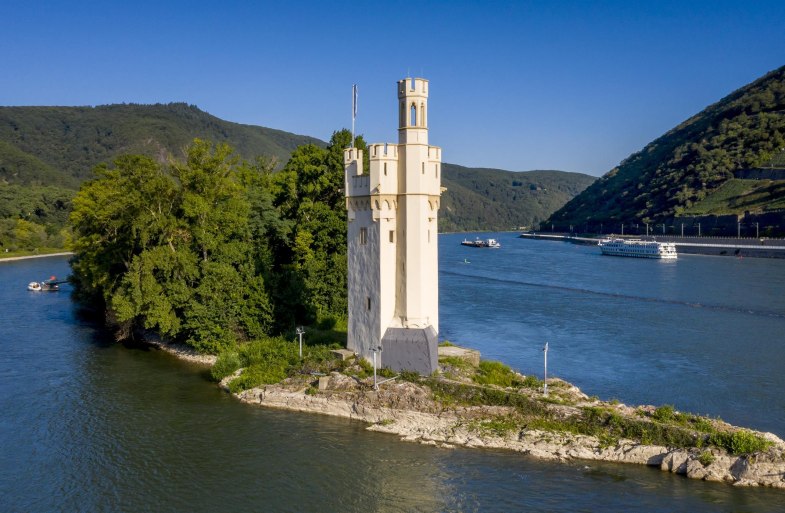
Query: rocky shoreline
{"points": [[408, 411], [181, 351], [400, 408]]}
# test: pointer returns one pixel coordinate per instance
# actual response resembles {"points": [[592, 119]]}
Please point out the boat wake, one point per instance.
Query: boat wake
{"points": [[615, 295]]}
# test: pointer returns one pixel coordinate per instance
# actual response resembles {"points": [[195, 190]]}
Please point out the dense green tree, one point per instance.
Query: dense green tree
{"points": [[311, 254], [170, 248]]}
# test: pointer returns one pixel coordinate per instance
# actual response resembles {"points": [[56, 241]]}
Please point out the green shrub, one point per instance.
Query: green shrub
{"points": [[664, 413], [259, 374], [495, 373], [472, 395], [499, 426], [455, 362], [532, 382], [702, 424], [740, 442], [597, 421], [706, 458], [271, 360], [226, 364]]}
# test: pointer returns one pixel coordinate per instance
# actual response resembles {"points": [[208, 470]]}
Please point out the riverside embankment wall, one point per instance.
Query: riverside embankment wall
{"points": [[716, 246]]}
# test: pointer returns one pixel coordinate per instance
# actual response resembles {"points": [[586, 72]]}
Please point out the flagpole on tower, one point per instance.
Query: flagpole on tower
{"points": [[354, 109]]}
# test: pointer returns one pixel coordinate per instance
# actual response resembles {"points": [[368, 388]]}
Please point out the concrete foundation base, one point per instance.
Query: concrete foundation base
{"points": [[407, 349]]}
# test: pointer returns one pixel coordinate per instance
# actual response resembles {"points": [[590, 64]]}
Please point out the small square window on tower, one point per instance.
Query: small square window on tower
{"points": [[363, 235]]}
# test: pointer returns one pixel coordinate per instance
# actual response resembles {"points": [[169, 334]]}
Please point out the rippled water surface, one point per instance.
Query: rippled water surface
{"points": [[89, 425]]}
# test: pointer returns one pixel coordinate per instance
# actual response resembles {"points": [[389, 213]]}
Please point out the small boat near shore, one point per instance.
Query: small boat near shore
{"points": [[638, 248], [481, 243], [50, 285]]}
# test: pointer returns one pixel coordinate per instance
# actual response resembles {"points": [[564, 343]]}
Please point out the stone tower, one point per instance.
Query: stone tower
{"points": [[393, 252]]}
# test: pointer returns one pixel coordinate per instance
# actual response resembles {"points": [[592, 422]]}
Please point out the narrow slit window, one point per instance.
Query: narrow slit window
{"points": [[385, 169], [436, 170], [423, 168], [368, 303], [392, 235], [429, 235], [363, 235], [413, 113]]}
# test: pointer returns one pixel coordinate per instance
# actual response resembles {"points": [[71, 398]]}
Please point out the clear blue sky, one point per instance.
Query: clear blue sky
{"points": [[571, 85]]}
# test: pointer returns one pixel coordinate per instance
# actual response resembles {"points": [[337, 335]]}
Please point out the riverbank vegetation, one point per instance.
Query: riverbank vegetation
{"points": [[34, 219], [215, 251]]}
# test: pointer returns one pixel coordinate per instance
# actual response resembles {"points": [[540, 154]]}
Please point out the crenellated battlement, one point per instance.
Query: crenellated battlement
{"points": [[412, 87], [383, 151]]}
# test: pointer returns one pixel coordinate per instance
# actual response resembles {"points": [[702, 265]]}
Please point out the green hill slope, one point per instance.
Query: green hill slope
{"points": [[61, 145], [688, 164], [43, 149], [493, 199]]}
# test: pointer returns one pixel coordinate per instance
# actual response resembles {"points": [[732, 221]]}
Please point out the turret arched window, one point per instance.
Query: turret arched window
{"points": [[413, 115]]}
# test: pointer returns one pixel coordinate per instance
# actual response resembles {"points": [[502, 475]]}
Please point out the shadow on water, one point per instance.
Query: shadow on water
{"points": [[588, 292]]}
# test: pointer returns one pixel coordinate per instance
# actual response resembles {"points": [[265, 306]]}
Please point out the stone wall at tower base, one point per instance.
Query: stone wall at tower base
{"points": [[410, 349]]}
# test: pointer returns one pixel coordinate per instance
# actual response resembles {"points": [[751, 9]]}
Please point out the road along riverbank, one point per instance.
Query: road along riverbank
{"points": [[29, 257]]}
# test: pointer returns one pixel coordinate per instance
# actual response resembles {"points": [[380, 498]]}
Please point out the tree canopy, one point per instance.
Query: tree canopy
{"points": [[213, 250]]}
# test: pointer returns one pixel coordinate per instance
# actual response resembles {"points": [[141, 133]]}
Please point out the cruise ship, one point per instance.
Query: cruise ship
{"points": [[637, 248]]}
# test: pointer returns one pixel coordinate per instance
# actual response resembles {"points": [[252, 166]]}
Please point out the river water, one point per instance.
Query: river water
{"points": [[90, 425]]}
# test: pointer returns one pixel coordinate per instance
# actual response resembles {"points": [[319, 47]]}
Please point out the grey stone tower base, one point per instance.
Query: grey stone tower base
{"points": [[410, 349]]}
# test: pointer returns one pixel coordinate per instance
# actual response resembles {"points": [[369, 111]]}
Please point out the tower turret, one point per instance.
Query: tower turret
{"points": [[413, 111]]}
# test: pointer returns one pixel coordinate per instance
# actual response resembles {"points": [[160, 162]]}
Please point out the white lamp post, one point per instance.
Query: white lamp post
{"points": [[545, 380], [300, 330]]}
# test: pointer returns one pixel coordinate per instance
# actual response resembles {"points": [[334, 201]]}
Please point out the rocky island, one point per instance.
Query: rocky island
{"points": [[484, 404]]}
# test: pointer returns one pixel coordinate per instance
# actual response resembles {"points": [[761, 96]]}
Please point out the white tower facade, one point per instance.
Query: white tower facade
{"points": [[392, 241]]}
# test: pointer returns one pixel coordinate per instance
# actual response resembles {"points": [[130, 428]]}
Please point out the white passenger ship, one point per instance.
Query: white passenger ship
{"points": [[637, 248]]}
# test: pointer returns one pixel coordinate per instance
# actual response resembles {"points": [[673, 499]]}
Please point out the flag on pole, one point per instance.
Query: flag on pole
{"points": [[354, 101], [545, 348], [354, 109]]}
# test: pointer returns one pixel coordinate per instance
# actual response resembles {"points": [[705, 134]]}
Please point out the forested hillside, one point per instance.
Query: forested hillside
{"points": [[47, 152], [61, 145], [493, 199], [743, 131]]}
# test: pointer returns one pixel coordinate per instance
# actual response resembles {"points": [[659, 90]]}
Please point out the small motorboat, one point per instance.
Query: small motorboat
{"points": [[50, 285]]}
